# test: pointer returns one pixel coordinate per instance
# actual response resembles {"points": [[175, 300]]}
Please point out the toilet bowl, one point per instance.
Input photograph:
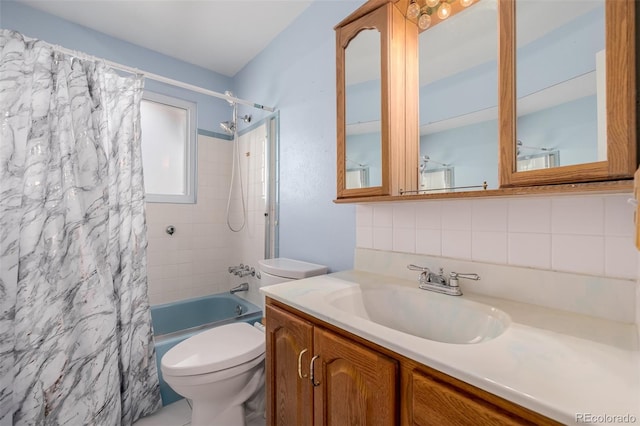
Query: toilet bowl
{"points": [[223, 367], [218, 370]]}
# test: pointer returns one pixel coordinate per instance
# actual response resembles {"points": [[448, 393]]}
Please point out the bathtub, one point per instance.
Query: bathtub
{"points": [[176, 321]]}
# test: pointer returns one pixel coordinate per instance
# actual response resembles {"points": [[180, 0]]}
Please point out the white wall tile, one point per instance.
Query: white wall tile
{"points": [[404, 215], [364, 215], [533, 250], [428, 241], [621, 257], [530, 215], [364, 236], [456, 215], [404, 240], [618, 216], [456, 243], [489, 215], [577, 215], [428, 215], [383, 215], [590, 234], [578, 253], [489, 246], [383, 238]]}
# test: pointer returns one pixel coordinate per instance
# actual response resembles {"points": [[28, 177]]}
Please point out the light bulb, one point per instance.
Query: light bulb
{"points": [[413, 10], [424, 22], [444, 11], [432, 3], [466, 3]]}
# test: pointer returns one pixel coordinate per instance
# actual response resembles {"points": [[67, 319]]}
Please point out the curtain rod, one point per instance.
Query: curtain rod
{"points": [[160, 78]]}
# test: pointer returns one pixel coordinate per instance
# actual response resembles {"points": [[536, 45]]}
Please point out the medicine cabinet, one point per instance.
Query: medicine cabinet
{"points": [[486, 98], [373, 50]]}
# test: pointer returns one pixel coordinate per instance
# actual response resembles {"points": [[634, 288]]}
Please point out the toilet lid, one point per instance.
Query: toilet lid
{"points": [[289, 268], [213, 350]]}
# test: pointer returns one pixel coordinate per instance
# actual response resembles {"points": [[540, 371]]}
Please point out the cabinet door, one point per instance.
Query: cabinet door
{"points": [[434, 403], [354, 385], [289, 397]]}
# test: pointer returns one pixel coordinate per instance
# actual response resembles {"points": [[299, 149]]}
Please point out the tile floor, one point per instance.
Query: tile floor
{"points": [[178, 414]]}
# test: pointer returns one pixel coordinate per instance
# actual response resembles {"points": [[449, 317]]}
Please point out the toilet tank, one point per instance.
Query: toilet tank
{"points": [[281, 269]]}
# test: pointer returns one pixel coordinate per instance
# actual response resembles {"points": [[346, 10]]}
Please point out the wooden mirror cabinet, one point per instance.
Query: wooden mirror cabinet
{"points": [[400, 104]]}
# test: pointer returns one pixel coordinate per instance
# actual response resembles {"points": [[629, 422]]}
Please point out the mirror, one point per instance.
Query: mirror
{"points": [[458, 77], [560, 83], [567, 110], [363, 110]]}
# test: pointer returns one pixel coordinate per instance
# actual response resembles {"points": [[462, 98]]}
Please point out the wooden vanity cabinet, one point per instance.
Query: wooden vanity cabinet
{"points": [[430, 398], [289, 397], [360, 383], [350, 384]]}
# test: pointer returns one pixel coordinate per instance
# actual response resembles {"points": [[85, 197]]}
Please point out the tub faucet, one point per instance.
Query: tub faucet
{"points": [[241, 287], [439, 283]]}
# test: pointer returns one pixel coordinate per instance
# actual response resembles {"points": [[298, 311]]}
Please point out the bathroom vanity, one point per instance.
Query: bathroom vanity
{"points": [[335, 355]]}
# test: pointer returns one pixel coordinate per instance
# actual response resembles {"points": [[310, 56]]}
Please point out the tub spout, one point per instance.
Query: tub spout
{"points": [[241, 287]]}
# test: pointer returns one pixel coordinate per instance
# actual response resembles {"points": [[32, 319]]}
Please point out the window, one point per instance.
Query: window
{"points": [[168, 148]]}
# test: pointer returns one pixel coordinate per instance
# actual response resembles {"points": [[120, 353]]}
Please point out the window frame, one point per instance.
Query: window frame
{"points": [[190, 172]]}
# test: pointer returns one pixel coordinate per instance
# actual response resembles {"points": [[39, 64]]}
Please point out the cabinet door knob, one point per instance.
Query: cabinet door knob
{"points": [[299, 364], [311, 367]]}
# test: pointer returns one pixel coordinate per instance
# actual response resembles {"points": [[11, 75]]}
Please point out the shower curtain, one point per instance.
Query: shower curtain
{"points": [[76, 346]]}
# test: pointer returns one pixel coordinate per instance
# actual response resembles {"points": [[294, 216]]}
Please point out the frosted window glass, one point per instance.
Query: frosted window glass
{"points": [[168, 149]]}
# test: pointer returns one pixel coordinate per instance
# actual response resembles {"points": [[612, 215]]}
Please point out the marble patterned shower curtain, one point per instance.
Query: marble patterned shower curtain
{"points": [[76, 346]]}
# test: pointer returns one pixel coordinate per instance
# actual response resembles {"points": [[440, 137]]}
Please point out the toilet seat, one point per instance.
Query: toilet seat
{"points": [[215, 350], [216, 376]]}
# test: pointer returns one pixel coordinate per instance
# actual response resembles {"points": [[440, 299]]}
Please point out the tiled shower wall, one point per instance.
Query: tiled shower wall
{"points": [[589, 234], [194, 260]]}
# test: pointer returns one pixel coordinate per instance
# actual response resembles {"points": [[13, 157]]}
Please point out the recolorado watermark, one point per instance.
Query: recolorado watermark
{"points": [[605, 418]]}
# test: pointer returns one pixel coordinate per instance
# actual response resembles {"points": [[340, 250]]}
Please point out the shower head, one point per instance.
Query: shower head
{"points": [[229, 127]]}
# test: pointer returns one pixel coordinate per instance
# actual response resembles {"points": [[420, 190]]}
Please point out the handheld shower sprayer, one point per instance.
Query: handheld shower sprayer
{"points": [[230, 127]]}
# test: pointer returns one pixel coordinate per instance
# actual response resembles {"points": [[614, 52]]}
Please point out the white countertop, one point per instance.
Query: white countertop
{"points": [[553, 362]]}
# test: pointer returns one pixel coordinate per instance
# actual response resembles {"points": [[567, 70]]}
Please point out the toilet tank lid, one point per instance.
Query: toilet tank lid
{"points": [[213, 350], [289, 268]]}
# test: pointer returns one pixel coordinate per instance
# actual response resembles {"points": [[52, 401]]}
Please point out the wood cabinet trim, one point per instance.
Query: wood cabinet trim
{"points": [[620, 186], [379, 19]]}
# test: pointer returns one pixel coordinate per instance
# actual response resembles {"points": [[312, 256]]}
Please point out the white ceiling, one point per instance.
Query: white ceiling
{"points": [[220, 35]]}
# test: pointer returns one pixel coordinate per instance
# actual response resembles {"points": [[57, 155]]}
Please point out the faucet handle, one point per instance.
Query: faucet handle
{"points": [[453, 277], [413, 267]]}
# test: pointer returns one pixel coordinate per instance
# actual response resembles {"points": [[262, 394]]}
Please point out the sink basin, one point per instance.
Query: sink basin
{"points": [[424, 314]]}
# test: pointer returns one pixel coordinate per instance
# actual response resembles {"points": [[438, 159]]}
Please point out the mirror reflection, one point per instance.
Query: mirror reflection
{"points": [[458, 76], [560, 83], [363, 104]]}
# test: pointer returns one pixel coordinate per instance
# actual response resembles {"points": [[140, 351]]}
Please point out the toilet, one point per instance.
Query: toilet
{"points": [[280, 270], [221, 368]]}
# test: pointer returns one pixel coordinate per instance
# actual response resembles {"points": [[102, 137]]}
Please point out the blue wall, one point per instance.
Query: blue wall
{"points": [[36, 24], [296, 72]]}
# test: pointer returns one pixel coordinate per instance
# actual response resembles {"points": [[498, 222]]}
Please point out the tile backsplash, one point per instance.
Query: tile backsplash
{"points": [[194, 260], [586, 234]]}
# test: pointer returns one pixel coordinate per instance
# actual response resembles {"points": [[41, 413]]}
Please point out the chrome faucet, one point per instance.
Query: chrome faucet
{"points": [[439, 282], [241, 287], [242, 270]]}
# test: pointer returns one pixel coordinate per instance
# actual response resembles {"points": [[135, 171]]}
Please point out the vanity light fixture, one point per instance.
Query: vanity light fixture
{"points": [[442, 8], [444, 11], [413, 10], [424, 21]]}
